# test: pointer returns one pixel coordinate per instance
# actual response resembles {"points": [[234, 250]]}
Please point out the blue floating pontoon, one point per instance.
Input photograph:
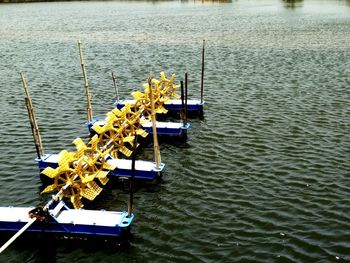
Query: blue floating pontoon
{"points": [[163, 128], [143, 169], [175, 105], [168, 128], [68, 222]]}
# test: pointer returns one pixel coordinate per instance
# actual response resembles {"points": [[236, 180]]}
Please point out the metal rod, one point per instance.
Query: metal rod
{"points": [[86, 83], [15, 236], [131, 180], [32, 220], [157, 157], [182, 112], [186, 93], [32, 119], [202, 76], [115, 87]]}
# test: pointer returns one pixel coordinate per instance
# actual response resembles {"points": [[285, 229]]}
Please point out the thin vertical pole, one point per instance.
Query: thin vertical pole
{"points": [[202, 76], [36, 141], [86, 82], [131, 180], [115, 87], [186, 96], [157, 157], [32, 119], [182, 112]]}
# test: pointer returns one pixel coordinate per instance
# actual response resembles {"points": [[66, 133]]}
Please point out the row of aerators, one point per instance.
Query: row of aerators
{"points": [[82, 174]]}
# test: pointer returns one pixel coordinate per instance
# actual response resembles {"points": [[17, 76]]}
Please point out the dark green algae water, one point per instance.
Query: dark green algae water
{"points": [[263, 178]]}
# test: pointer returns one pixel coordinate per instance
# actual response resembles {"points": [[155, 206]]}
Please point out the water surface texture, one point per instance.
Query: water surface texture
{"points": [[264, 177]]}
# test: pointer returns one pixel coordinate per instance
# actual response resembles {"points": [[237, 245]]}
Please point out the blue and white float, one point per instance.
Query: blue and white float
{"points": [[175, 105], [61, 220], [143, 169]]}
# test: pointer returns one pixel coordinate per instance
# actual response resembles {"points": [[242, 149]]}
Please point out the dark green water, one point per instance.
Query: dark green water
{"points": [[265, 177]]}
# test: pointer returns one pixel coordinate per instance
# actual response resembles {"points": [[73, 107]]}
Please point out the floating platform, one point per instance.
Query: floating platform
{"points": [[143, 169], [175, 105], [168, 128], [65, 221], [163, 128]]}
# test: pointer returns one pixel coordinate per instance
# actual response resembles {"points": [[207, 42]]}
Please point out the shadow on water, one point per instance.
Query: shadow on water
{"points": [[293, 3], [45, 247]]}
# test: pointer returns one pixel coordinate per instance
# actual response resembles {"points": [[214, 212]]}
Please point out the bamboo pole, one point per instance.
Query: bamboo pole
{"points": [[202, 75], [115, 87], [157, 157], [32, 119], [36, 143], [86, 83]]}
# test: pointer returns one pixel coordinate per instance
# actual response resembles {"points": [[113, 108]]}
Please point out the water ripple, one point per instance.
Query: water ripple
{"points": [[262, 178]]}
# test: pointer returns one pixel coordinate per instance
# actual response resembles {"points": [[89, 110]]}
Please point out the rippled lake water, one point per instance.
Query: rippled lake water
{"points": [[264, 177]]}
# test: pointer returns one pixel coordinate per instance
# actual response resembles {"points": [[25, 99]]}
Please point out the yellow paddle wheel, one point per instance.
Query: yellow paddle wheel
{"points": [[80, 169], [83, 168]]}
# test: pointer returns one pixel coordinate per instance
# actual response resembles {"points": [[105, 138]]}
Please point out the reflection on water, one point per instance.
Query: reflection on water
{"points": [[293, 3], [214, 1]]}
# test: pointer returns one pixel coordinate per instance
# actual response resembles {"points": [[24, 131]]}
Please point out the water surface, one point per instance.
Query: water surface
{"points": [[263, 178]]}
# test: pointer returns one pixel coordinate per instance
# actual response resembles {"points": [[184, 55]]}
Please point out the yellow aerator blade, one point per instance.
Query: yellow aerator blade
{"points": [[163, 77], [49, 188], [78, 142], [93, 142], [125, 151], [155, 82], [111, 116], [109, 166], [50, 172], [81, 147], [116, 112], [103, 181], [97, 128], [161, 110], [138, 95], [76, 201], [63, 159], [171, 80], [91, 191], [101, 174], [141, 132], [88, 178], [128, 139]]}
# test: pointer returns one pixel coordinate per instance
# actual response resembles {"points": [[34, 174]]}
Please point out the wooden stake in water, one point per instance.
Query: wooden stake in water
{"points": [[115, 87], [157, 158], [32, 119], [202, 75], [86, 82]]}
